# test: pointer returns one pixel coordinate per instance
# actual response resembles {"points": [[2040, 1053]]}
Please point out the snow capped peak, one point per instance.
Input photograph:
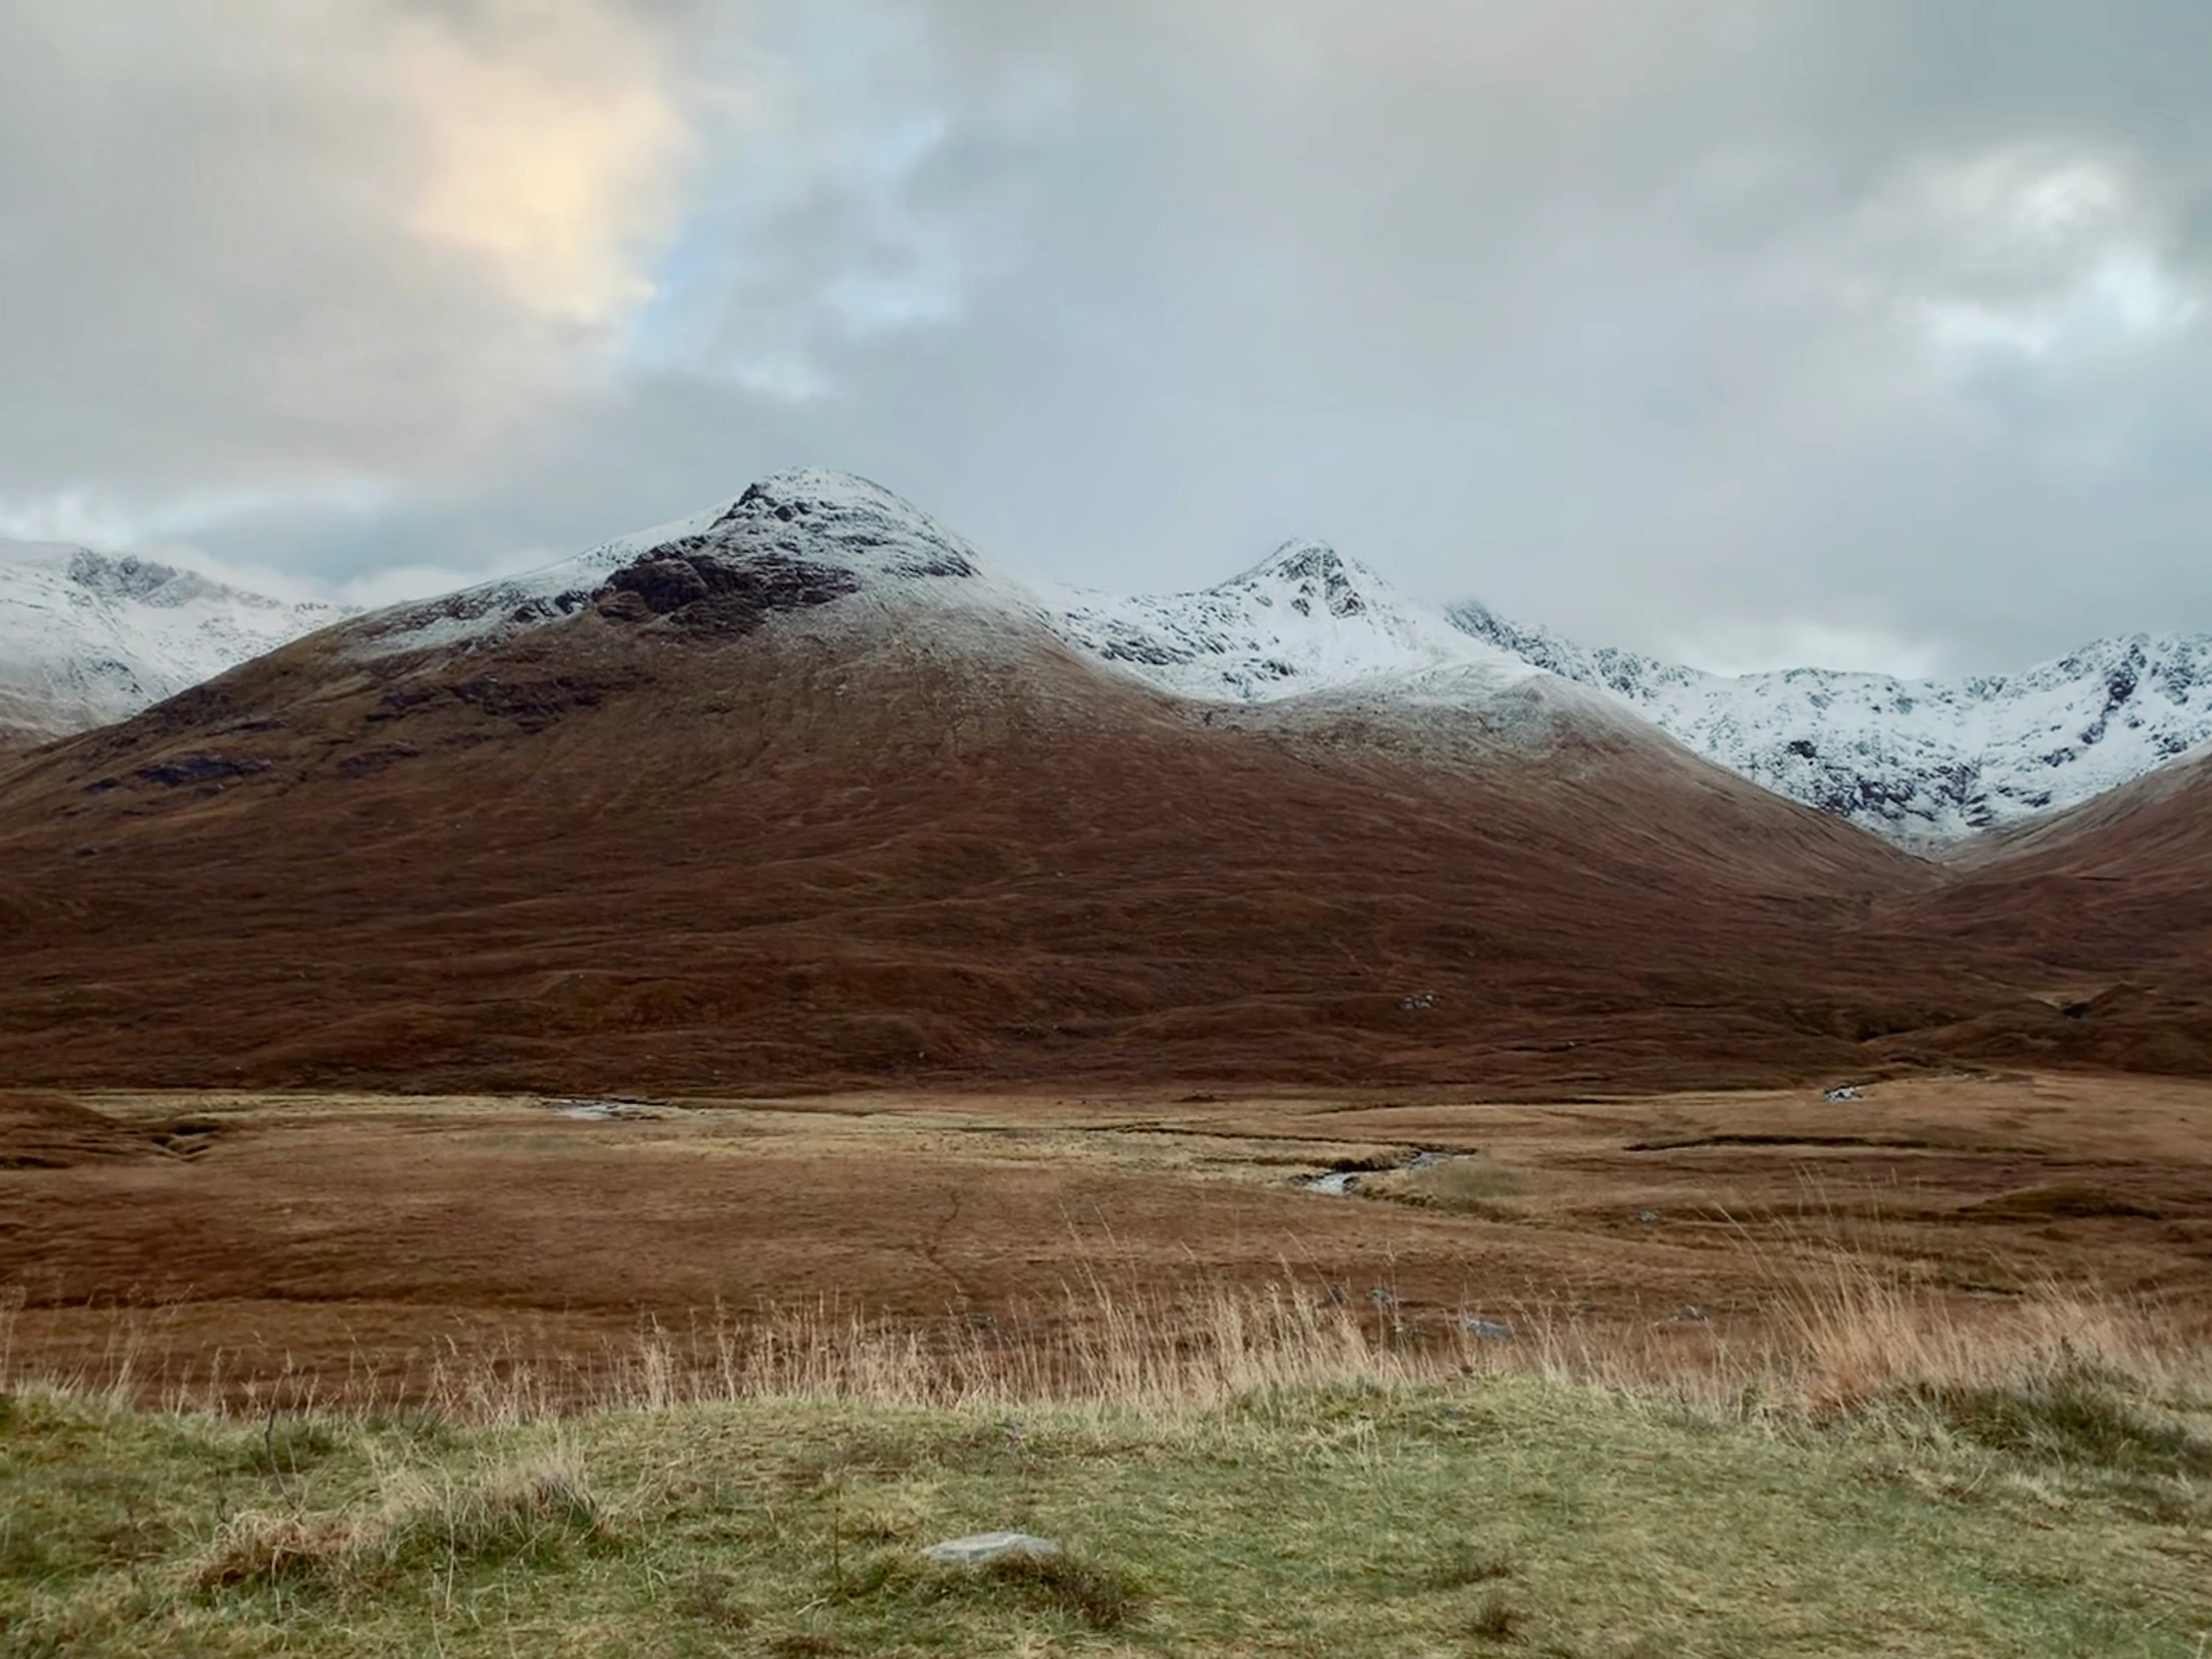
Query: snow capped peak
{"points": [[801, 491], [1311, 577], [844, 520], [1919, 760], [158, 585], [1304, 619], [794, 541]]}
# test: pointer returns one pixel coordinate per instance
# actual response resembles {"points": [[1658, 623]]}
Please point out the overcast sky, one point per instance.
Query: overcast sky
{"points": [[1868, 332]]}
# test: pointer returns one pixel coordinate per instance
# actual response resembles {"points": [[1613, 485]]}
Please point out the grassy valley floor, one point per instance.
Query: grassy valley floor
{"points": [[1497, 1514]]}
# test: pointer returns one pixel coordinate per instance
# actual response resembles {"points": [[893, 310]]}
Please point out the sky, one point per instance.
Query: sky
{"points": [[1866, 333]]}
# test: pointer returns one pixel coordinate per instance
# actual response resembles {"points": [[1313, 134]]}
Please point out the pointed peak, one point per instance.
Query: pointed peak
{"points": [[814, 491], [1317, 577], [1300, 557]]}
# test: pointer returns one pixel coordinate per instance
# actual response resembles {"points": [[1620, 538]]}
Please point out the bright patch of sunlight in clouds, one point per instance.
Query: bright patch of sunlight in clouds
{"points": [[557, 167]]}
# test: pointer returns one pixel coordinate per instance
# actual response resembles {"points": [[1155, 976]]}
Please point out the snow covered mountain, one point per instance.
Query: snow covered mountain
{"points": [[796, 541], [1306, 619], [1922, 761], [89, 638], [800, 787], [86, 639]]}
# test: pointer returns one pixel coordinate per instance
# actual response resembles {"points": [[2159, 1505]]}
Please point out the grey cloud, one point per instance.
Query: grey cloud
{"points": [[1655, 322]]}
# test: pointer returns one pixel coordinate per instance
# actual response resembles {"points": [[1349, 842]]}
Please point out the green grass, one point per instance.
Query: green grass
{"points": [[1501, 1516]]}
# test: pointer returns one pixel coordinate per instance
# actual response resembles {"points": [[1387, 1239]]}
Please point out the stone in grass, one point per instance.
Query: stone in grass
{"points": [[980, 1547]]}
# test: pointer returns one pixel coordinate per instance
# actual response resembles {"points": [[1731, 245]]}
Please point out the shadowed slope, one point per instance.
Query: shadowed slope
{"points": [[804, 793], [2113, 902]]}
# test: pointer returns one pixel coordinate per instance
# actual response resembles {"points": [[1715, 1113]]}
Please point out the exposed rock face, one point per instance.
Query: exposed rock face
{"points": [[695, 589]]}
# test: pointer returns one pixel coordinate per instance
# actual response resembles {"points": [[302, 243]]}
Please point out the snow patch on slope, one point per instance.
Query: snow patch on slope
{"points": [[90, 637], [1922, 761]]}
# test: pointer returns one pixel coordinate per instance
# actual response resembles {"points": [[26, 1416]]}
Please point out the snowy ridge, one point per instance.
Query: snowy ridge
{"points": [[86, 639], [1922, 761], [794, 540], [89, 638], [1306, 619]]}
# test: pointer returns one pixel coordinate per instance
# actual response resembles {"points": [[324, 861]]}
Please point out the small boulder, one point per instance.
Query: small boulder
{"points": [[981, 1547]]}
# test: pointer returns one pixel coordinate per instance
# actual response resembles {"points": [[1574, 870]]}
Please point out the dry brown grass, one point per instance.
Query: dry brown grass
{"points": [[257, 1547], [367, 1255], [1845, 1339]]}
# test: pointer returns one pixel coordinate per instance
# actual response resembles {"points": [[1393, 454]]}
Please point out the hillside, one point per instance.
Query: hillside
{"points": [[2112, 896], [802, 790]]}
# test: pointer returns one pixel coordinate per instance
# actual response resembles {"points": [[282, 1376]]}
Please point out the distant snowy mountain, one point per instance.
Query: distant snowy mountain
{"points": [[87, 638], [1922, 761], [1307, 619]]}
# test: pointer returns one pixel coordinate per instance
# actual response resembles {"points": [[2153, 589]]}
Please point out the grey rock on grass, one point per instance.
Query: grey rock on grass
{"points": [[981, 1547]]}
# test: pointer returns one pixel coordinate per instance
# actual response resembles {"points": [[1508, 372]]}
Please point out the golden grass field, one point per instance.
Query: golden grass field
{"points": [[314, 1244]]}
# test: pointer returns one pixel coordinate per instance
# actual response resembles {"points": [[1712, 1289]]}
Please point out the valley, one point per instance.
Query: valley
{"points": [[785, 909]]}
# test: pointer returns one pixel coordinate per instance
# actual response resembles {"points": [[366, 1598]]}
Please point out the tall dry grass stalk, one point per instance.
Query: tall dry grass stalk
{"points": [[1837, 1335], [1099, 1345], [1857, 1337]]}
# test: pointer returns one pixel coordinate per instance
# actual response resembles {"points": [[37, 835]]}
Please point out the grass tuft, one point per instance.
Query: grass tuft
{"points": [[1497, 1621], [519, 1511], [1097, 1596], [1094, 1595], [258, 1549], [1467, 1566]]}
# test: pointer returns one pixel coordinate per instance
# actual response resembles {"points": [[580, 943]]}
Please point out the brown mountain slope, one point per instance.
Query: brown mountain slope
{"points": [[2112, 903], [758, 807]]}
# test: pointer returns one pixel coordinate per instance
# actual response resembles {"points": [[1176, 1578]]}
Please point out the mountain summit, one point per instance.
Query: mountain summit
{"points": [[794, 541], [1306, 619]]}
